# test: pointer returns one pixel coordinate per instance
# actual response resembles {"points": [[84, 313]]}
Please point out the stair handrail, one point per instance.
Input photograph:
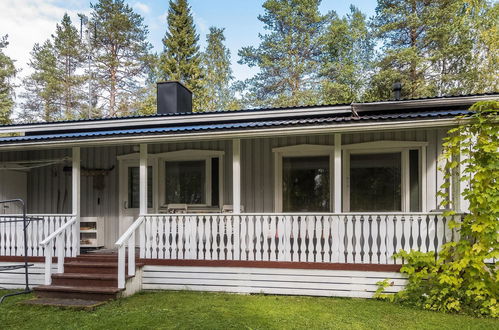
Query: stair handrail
{"points": [[48, 244], [128, 238]]}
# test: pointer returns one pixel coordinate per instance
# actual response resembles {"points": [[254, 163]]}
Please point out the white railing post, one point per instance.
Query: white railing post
{"points": [[75, 173], [236, 175], [121, 267], [131, 255], [60, 253], [48, 263], [337, 174]]}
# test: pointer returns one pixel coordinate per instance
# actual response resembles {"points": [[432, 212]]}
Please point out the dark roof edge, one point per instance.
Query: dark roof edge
{"points": [[454, 100]]}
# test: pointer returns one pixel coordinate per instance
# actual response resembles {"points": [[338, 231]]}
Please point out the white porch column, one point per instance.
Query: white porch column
{"points": [[143, 180], [337, 191], [236, 175], [75, 196]]}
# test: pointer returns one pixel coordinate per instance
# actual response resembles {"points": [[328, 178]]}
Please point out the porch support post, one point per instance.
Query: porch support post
{"points": [[236, 175], [75, 196], [143, 180], [337, 173]]}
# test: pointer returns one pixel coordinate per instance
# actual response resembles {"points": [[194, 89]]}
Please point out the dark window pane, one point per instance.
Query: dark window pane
{"points": [[185, 182], [375, 182], [415, 190], [214, 182], [305, 184], [134, 187]]}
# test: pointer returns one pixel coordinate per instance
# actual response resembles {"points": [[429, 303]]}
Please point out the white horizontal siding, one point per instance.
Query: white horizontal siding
{"points": [[310, 282], [14, 279]]}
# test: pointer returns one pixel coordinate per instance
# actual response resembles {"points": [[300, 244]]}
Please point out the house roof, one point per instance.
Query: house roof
{"points": [[427, 110]]}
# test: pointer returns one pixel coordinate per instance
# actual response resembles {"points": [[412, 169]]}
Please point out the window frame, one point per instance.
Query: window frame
{"points": [[192, 155], [300, 150], [157, 161], [380, 147]]}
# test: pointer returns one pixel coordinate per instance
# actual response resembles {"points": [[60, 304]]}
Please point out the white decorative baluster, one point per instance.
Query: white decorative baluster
{"points": [[295, 232], [230, 246], [273, 235], [383, 240], [154, 237], [398, 236], [414, 231], [266, 237], [310, 238], [327, 235], [366, 249], [407, 233], [243, 238], [258, 238], [280, 238], [358, 224], [251, 237], [424, 234], [303, 238], [319, 250]]}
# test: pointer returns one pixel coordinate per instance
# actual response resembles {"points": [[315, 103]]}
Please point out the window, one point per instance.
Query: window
{"points": [[134, 188], [305, 184], [375, 182], [185, 182], [384, 181]]}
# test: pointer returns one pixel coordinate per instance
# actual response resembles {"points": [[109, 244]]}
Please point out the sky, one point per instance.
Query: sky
{"points": [[30, 21]]}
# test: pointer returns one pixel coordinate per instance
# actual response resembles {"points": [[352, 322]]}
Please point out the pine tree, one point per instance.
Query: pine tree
{"points": [[120, 54], [7, 73], [434, 47], [70, 56], [347, 60], [288, 56], [218, 73], [181, 59], [42, 88]]}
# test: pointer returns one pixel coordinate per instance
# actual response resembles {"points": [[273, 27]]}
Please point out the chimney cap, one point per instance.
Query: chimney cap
{"points": [[174, 82]]}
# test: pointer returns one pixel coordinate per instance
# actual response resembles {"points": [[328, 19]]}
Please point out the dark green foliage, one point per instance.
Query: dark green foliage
{"points": [[347, 58], [42, 87], [435, 48], [288, 56], [218, 73], [7, 74], [181, 58], [464, 276], [120, 54]]}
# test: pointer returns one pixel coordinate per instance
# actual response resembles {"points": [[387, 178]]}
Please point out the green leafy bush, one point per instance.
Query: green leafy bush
{"points": [[460, 279]]}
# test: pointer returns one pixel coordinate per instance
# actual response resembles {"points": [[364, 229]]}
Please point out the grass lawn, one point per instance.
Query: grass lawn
{"points": [[194, 310]]}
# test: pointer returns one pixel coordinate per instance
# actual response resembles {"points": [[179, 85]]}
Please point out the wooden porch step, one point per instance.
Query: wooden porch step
{"points": [[94, 267], [93, 293], [86, 279]]}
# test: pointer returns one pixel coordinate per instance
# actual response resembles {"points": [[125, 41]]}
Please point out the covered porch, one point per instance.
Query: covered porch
{"points": [[344, 197]]}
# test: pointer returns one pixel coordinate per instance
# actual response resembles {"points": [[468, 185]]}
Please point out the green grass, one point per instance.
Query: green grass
{"points": [[194, 310]]}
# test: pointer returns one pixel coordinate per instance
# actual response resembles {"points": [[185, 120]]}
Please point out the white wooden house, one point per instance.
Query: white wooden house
{"points": [[304, 200]]}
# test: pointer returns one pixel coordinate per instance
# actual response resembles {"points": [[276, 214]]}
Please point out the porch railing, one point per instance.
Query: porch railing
{"points": [[64, 243], [338, 238], [11, 234]]}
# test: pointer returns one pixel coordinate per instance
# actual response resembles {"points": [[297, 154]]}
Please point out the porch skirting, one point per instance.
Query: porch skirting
{"points": [[285, 281], [14, 279]]}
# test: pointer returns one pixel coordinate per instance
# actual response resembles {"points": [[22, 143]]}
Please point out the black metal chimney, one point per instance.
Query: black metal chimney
{"points": [[173, 97], [397, 90]]}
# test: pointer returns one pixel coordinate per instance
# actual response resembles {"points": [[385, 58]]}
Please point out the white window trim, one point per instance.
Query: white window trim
{"points": [[389, 146], [158, 160], [124, 164], [300, 150]]}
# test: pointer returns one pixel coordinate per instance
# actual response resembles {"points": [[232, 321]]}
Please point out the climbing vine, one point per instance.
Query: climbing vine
{"points": [[463, 278]]}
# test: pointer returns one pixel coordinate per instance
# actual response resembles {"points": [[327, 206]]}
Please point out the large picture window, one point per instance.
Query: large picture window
{"points": [[305, 184], [375, 182], [185, 182], [384, 181]]}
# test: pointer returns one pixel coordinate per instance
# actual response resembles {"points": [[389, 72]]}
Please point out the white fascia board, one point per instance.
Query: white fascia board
{"points": [[176, 119], [239, 134]]}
